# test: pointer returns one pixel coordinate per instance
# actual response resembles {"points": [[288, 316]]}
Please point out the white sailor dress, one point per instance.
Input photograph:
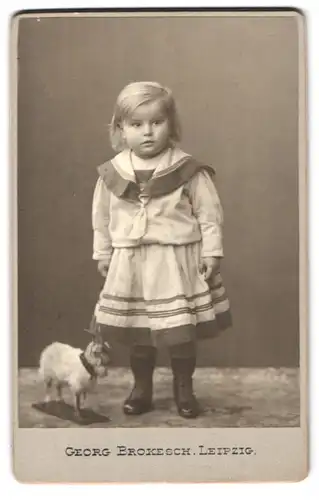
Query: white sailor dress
{"points": [[153, 234]]}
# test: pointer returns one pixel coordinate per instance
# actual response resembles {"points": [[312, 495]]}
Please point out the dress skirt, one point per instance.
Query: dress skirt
{"points": [[156, 294]]}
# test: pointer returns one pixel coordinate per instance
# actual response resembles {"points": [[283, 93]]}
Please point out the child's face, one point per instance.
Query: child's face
{"points": [[147, 130]]}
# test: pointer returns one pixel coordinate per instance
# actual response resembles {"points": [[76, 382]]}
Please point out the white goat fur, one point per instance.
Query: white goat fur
{"points": [[61, 363]]}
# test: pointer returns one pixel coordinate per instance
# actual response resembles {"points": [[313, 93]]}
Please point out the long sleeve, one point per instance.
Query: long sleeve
{"points": [[102, 244], [209, 213]]}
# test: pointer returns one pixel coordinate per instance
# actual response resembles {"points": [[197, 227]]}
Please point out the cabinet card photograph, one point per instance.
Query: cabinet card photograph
{"points": [[158, 168]]}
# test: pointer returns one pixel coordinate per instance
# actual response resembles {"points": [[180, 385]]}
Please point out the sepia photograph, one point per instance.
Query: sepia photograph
{"points": [[159, 192]]}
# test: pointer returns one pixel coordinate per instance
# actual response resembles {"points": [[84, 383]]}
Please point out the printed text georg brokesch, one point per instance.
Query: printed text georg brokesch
{"points": [[122, 450]]}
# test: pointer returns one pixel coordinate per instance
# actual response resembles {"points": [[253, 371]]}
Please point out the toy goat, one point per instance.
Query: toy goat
{"points": [[64, 365]]}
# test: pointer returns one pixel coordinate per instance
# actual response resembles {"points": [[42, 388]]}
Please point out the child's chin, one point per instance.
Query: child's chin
{"points": [[148, 154]]}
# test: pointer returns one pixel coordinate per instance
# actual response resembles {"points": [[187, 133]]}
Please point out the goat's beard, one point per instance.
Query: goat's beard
{"points": [[101, 371]]}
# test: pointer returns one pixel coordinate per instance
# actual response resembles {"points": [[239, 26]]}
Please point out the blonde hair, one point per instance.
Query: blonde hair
{"points": [[132, 96]]}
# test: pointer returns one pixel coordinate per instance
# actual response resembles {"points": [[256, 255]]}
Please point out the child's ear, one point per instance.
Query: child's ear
{"points": [[121, 131]]}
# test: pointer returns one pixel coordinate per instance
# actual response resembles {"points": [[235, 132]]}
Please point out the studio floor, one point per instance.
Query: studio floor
{"points": [[228, 398]]}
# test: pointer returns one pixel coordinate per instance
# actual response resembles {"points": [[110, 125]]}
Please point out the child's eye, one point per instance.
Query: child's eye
{"points": [[135, 124], [158, 122]]}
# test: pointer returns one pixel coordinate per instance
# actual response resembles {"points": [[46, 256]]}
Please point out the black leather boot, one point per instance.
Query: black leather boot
{"points": [[183, 368], [142, 360]]}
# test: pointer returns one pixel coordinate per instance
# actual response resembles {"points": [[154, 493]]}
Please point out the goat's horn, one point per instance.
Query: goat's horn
{"points": [[93, 328]]}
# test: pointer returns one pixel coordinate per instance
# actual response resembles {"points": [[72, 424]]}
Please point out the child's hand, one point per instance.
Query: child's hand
{"points": [[103, 267], [209, 266]]}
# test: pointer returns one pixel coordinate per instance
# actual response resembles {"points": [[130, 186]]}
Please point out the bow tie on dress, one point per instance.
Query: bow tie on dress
{"points": [[139, 222]]}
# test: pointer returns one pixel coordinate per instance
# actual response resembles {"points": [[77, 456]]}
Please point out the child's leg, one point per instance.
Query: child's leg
{"points": [[142, 359], [183, 360]]}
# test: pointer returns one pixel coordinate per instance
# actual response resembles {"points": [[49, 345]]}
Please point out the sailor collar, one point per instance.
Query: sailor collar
{"points": [[167, 181]]}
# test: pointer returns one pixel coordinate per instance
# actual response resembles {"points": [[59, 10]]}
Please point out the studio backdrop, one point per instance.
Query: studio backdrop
{"points": [[236, 85]]}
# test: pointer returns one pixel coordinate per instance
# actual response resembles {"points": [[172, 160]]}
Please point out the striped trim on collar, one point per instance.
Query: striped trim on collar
{"points": [[174, 177]]}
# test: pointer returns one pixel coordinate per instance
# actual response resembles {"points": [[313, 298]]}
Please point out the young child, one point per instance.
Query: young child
{"points": [[157, 224]]}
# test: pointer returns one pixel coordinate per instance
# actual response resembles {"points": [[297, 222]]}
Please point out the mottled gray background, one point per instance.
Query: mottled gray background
{"points": [[236, 84]]}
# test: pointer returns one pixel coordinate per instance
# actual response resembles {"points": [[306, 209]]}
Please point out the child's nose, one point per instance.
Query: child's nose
{"points": [[147, 129]]}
